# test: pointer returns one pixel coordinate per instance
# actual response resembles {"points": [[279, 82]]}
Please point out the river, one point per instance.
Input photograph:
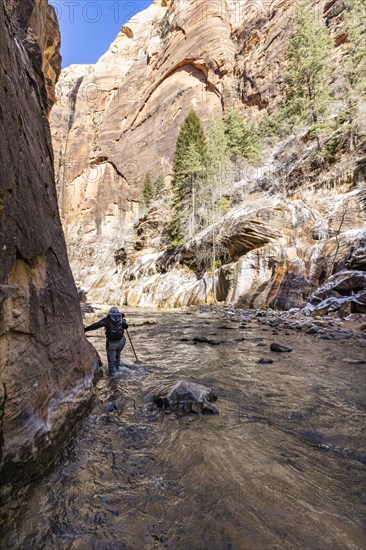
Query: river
{"points": [[281, 467]]}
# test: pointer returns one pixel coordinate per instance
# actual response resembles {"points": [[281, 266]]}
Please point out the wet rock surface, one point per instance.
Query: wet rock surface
{"points": [[279, 348], [188, 397], [344, 293]]}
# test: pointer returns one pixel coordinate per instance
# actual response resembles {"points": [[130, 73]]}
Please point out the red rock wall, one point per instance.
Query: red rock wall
{"points": [[46, 364]]}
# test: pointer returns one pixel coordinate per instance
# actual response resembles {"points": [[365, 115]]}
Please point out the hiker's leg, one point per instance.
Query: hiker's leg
{"points": [[112, 356], [121, 345]]}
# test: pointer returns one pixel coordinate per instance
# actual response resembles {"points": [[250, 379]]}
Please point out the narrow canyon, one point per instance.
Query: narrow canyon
{"points": [[241, 273]]}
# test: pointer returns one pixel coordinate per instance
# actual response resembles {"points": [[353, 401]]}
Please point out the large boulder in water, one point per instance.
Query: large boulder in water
{"points": [[188, 397]]}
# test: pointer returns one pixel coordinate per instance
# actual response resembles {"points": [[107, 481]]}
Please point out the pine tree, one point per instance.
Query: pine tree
{"points": [[268, 126], [218, 160], [159, 185], [147, 192], [234, 130], [242, 139], [355, 62], [217, 145], [309, 69], [251, 147], [354, 90], [188, 174]]}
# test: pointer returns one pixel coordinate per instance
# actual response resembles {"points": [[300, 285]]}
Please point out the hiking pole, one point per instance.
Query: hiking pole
{"points": [[134, 352]]}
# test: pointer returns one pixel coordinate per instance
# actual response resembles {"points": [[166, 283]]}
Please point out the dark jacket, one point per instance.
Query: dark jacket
{"points": [[103, 323]]}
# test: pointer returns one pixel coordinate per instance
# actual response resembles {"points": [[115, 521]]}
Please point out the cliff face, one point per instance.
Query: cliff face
{"points": [[46, 363], [37, 27], [118, 120]]}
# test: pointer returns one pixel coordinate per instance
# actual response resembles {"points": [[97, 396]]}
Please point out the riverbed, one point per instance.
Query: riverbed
{"points": [[281, 467]]}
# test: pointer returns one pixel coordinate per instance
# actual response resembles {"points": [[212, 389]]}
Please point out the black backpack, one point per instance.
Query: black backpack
{"points": [[114, 327]]}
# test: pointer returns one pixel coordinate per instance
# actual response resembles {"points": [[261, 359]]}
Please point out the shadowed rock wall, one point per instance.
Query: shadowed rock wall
{"points": [[46, 364]]}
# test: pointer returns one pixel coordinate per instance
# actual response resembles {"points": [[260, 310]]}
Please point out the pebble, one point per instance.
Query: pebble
{"points": [[111, 407], [264, 361]]}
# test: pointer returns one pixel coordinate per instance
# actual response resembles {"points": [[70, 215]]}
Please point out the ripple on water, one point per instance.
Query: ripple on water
{"points": [[281, 466]]}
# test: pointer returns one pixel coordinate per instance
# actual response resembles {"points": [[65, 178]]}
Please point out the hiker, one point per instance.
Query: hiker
{"points": [[114, 325]]}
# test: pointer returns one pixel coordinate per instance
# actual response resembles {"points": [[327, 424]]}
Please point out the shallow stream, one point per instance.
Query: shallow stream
{"points": [[281, 467]]}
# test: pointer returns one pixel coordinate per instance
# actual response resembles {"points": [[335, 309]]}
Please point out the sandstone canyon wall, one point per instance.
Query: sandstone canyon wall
{"points": [[46, 363], [118, 120]]}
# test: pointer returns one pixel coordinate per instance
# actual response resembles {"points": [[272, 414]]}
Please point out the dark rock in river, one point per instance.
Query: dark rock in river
{"points": [[188, 397], [204, 340], [279, 347], [264, 361], [342, 335]]}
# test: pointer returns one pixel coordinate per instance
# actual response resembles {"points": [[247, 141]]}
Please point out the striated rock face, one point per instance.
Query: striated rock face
{"points": [[274, 252], [118, 120], [46, 364], [37, 27], [261, 32]]}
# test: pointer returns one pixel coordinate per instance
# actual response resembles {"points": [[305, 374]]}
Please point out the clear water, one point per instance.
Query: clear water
{"points": [[281, 467]]}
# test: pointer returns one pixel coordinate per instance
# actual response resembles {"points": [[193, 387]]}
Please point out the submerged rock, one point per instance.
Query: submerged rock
{"points": [[279, 347], [312, 330], [188, 397], [204, 340], [264, 361]]}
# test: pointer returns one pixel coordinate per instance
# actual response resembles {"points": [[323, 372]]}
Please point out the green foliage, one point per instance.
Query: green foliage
{"points": [[217, 147], [309, 69], [355, 63], [188, 175], [242, 139], [159, 185], [234, 130], [147, 192], [251, 146], [268, 126], [331, 149], [323, 127], [224, 205]]}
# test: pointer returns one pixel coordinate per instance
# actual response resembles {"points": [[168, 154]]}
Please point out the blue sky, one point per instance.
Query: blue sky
{"points": [[88, 28]]}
